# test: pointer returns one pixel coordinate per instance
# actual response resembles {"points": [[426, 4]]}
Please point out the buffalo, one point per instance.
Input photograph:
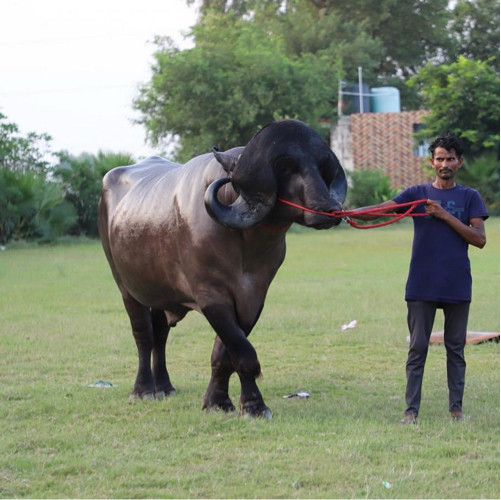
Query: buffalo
{"points": [[209, 236]]}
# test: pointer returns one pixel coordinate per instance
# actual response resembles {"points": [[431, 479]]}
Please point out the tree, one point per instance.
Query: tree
{"points": [[475, 27], [398, 36], [411, 32], [462, 97], [237, 78], [80, 179], [20, 153], [482, 173], [375, 35], [31, 207], [44, 201], [370, 187], [306, 29], [258, 60]]}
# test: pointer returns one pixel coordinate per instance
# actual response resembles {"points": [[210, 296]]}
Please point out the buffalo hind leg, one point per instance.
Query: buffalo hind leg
{"points": [[150, 334], [216, 396], [142, 330], [163, 386], [243, 358]]}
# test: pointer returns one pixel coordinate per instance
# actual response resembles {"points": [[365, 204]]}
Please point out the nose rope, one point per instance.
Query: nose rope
{"points": [[377, 212]]}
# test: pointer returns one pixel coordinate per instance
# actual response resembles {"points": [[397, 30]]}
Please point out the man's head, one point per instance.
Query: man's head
{"points": [[446, 157], [448, 142]]}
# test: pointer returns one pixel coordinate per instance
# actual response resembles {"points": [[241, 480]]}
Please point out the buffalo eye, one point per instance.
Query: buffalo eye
{"points": [[286, 166], [325, 170]]}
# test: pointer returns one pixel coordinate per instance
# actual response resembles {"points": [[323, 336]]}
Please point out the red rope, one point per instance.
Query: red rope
{"points": [[378, 212]]}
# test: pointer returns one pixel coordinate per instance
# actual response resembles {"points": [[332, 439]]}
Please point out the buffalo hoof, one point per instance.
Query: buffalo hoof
{"points": [[163, 394], [217, 400], [147, 396], [227, 406], [166, 388], [256, 413]]}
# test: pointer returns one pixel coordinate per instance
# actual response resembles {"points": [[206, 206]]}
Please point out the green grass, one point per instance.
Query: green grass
{"points": [[63, 327]]}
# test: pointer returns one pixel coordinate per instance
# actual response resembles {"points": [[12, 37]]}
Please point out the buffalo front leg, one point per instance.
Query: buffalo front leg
{"points": [[216, 396], [163, 386], [243, 357]]}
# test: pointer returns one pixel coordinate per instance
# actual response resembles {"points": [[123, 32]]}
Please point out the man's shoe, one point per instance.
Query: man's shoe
{"points": [[409, 418], [457, 416]]}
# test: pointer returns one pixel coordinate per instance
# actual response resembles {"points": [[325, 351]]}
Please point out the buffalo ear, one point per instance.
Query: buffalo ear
{"points": [[228, 162]]}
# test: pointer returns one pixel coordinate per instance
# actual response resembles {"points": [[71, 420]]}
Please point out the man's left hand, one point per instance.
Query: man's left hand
{"points": [[433, 207]]}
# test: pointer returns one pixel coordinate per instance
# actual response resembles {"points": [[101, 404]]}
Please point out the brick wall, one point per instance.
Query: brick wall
{"points": [[384, 141]]}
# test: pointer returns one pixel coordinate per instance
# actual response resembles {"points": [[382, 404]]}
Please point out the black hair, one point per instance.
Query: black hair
{"points": [[449, 142]]}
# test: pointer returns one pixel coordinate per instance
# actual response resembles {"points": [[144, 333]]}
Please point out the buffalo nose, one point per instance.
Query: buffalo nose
{"points": [[336, 206]]}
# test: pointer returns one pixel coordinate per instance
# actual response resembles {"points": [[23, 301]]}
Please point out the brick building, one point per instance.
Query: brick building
{"points": [[382, 141]]}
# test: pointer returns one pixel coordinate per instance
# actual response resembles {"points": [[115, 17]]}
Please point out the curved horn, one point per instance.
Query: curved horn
{"points": [[339, 186], [241, 214]]}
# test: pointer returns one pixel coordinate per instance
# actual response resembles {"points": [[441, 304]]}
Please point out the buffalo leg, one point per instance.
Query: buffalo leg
{"points": [[243, 358], [216, 396], [163, 386], [142, 330]]}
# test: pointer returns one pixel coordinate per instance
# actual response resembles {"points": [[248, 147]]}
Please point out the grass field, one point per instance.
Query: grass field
{"points": [[63, 327]]}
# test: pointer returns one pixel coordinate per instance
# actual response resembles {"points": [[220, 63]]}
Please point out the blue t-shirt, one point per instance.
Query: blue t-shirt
{"points": [[440, 268]]}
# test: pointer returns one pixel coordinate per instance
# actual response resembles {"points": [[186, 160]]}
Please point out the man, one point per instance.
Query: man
{"points": [[439, 273]]}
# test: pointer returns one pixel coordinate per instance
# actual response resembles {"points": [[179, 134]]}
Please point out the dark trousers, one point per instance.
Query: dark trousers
{"points": [[420, 318]]}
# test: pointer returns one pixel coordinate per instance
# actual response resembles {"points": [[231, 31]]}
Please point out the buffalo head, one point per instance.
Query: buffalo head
{"points": [[285, 159]]}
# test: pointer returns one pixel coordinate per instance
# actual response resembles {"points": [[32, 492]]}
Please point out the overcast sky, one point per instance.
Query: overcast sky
{"points": [[71, 68]]}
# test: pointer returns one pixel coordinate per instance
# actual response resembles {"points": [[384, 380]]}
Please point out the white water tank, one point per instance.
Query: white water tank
{"points": [[385, 100]]}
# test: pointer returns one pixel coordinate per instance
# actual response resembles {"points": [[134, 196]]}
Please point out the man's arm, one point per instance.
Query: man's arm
{"points": [[474, 234]]}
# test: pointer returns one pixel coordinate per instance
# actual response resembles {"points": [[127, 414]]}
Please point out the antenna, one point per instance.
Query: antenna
{"points": [[360, 95]]}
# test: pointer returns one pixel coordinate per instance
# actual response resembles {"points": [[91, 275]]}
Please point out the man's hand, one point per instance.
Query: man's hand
{"points": [[433, 207], [474, 234]]}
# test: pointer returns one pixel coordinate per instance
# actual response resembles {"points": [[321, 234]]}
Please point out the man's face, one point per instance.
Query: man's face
{"points": [[446, 163]]}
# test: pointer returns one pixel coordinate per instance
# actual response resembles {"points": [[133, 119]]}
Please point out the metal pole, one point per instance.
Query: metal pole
{"points": [[340, 99], [360, 95]]}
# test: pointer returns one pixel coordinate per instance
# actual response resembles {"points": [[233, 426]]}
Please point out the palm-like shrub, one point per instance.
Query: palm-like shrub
{"points": [[482, 173]]}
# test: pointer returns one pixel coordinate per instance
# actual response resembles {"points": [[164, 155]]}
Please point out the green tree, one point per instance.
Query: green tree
{"points": [[258, 60], [411, 32], [80, 178], [31, 207], [390, 39], [23, 153], [462, 97], [236, 79], [475, 27], [306, 29], [369, 187], [482, 173]]}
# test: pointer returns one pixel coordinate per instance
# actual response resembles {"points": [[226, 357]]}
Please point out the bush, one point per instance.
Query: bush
{"points": [[81, 180], [482, 173], [369, 187], [31, 207]]}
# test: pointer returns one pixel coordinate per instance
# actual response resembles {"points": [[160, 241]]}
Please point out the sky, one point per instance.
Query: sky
{"points": [[71, 68]]}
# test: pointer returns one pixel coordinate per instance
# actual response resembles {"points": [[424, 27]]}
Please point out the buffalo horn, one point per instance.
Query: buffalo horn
{"points": [[241, 214]]}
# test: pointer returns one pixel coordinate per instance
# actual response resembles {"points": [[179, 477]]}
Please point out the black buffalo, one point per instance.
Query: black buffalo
{"points": [[209, 236]]}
